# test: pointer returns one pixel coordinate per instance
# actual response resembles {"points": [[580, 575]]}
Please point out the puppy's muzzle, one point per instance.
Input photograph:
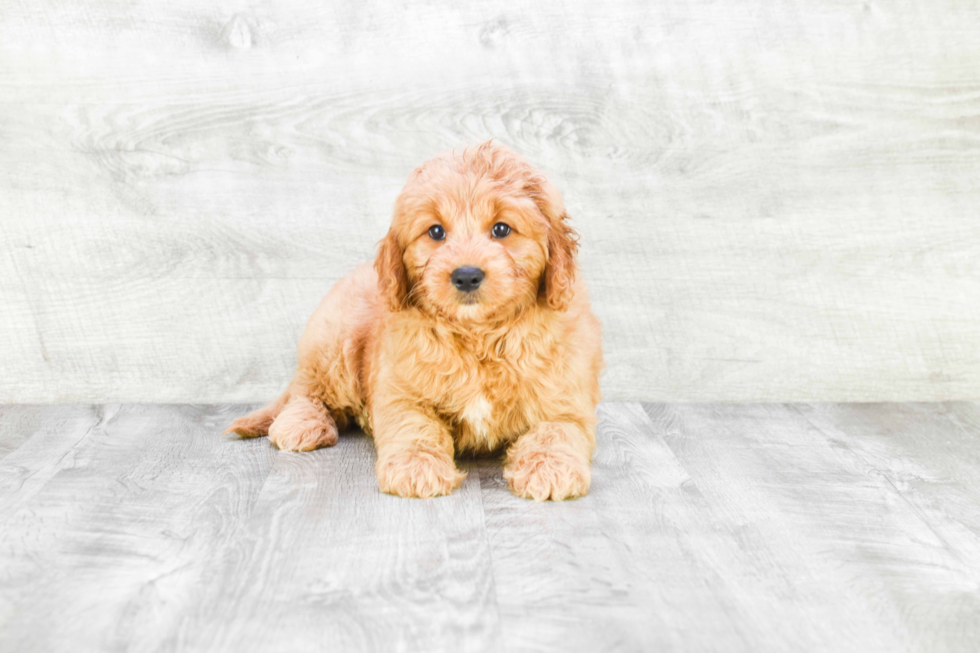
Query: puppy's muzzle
{"points": [[467, 279]]}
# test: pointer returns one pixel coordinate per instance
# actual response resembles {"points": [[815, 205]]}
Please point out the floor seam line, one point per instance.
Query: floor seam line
{"points": [[493, 575]]}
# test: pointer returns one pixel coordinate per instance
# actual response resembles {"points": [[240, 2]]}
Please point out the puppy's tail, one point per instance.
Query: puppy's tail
{"points": [[257, 423]]}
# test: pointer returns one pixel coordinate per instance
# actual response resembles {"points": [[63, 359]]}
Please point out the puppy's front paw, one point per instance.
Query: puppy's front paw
{"points": [[543, 474], [417, 473]]}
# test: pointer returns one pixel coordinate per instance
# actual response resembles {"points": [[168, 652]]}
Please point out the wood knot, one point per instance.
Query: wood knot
{"points": [[238, 32], [493, 33]]}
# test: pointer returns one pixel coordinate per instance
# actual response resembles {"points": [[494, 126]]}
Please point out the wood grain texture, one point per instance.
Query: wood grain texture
{"points": [[326, 562], [111, 521], [846, 561], [721, 527], [777, 199], [755, 528], [140, 528]]}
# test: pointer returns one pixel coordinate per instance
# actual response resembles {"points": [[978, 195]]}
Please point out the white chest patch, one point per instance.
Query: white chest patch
{"points": [[477, 415]]}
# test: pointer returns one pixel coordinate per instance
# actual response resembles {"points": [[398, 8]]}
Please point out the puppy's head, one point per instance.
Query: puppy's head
{"points": [[475, 236]]}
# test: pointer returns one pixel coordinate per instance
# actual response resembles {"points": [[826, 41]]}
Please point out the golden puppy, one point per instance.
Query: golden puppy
{"points": [[471, 332]]}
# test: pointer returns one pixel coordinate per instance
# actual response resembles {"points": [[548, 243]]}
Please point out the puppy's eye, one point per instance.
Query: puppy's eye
{"points": [[436, 232], [500, 230]]}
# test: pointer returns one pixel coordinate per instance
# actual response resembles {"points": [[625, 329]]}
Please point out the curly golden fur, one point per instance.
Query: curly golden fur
{"points": [[430, 370]]}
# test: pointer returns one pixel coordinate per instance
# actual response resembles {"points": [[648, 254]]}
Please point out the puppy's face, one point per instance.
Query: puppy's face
{"points": [[477, 236], [473, 249]]}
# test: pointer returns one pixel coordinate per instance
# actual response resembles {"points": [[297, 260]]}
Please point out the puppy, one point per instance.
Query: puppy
{"points": [[471, 333]]}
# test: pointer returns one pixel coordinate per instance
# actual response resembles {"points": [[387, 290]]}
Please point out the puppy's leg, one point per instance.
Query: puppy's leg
{"points": [[551, 461], [415, 454], [303, 425], [257, 423]]}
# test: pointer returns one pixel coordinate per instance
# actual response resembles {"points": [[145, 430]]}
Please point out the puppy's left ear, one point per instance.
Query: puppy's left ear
{"points": [[392, 276], [559, 274]]}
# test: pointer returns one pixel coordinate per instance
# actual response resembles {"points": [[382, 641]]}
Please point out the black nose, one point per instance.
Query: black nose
{"points": [[467, 279]]}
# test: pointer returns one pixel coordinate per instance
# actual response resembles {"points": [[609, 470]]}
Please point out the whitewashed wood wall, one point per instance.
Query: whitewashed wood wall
{"points": [[779, 199]]}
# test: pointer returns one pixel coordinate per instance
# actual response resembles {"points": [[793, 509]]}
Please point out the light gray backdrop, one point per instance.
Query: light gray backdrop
{"points": [[778, 200]]}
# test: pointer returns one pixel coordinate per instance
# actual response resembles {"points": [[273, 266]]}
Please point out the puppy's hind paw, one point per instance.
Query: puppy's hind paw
{"points": [[303, 426], [248, 427]]}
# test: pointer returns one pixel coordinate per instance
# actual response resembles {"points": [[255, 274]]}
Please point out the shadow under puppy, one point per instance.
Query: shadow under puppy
{"points": [[471, 332]]}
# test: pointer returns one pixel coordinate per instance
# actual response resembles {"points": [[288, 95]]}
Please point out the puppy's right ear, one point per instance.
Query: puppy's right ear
{"points": [[392, 276]]}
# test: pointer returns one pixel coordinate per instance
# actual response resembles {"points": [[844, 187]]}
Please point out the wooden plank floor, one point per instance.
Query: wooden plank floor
{"points": [[709, 527]]}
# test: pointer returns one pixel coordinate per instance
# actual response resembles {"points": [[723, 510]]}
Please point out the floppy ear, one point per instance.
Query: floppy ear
{"points": [[392, 277], [559, 274]]}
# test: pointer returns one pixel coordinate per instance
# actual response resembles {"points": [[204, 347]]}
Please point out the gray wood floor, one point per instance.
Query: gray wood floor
{"points": [[709, 527]]}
